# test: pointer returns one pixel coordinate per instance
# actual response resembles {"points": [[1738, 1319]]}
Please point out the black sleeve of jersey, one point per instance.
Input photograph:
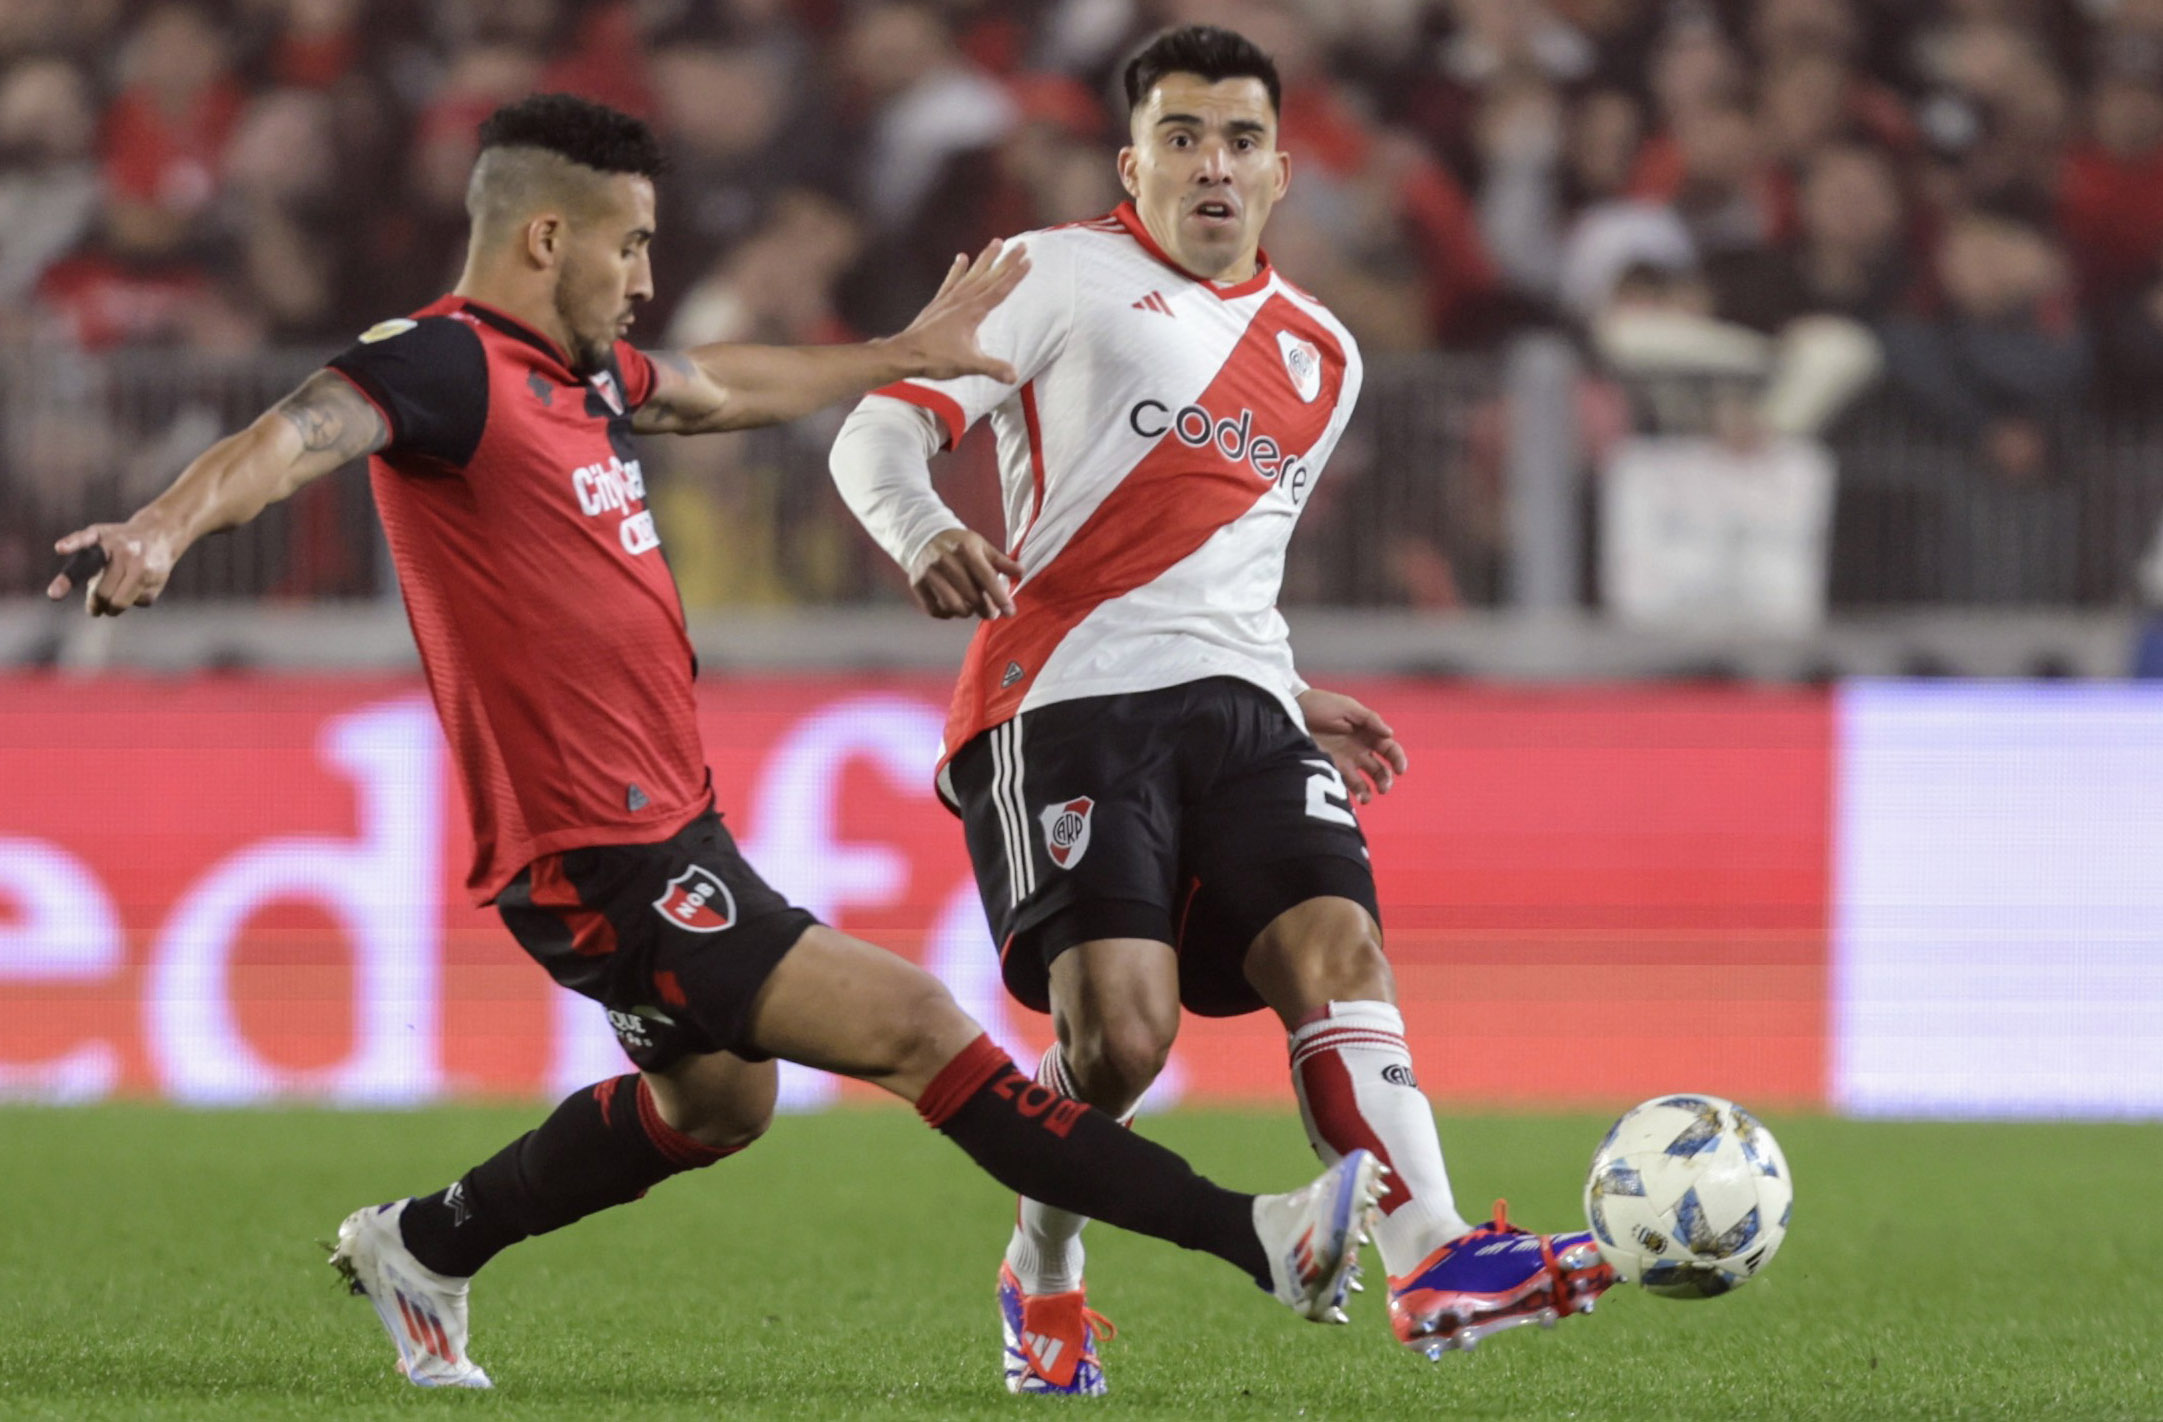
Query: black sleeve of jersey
{"points": [[430, 378]]}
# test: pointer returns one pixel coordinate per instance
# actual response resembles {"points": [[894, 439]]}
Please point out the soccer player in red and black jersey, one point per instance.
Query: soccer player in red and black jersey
{"points": [[501, 421]]}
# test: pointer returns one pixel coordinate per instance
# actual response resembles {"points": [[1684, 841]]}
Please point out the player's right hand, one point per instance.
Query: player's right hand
{"points": [[138, 562], [961, 573], [940, 344]]}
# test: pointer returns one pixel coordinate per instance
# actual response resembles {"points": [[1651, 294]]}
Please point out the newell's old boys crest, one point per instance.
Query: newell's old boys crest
{"points": [[1303, 362], [604, 385], [1066, 830], [697, 899]]}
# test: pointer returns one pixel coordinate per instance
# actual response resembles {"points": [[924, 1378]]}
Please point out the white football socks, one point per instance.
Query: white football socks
{"points": [[1353, 1075], [1046, 1250]]}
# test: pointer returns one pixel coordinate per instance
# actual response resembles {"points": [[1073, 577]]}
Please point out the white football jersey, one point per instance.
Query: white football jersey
{"points": [[1165, 434]]}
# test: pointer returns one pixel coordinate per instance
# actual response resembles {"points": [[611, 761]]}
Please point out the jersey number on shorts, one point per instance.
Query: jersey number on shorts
{"points": [[1327, 799]]}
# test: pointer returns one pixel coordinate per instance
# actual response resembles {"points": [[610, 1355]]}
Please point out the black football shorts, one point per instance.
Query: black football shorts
{"points": [[675, 939], [1191, 816]]}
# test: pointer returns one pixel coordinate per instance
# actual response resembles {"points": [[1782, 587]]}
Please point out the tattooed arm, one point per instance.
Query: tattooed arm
{"points": [[319, 427]]}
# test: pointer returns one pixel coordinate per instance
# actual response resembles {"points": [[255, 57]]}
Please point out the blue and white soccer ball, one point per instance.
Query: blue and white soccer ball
{"points": [[1689, 1196]]}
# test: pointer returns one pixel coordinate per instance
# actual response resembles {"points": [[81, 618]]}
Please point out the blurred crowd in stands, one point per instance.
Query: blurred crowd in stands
{"points": [[1961, 198]]}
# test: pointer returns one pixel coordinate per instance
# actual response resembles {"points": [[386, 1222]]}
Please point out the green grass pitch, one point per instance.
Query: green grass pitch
{"points": [[159, 1262]]}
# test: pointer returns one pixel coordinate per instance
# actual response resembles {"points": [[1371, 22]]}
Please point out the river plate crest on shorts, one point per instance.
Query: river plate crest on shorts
{"points": [[697, 899], [1066, 830]]}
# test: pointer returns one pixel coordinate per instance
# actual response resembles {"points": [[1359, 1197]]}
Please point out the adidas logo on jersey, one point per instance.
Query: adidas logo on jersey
{"points": [[1156, 303]]}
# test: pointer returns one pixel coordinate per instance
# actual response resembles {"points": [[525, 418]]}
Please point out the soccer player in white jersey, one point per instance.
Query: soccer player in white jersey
{"points": [[1158, 809]]}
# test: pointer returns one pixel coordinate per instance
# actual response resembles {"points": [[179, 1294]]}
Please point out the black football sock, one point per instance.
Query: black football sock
{"points": [[604, 1145], [1074, 1157]]}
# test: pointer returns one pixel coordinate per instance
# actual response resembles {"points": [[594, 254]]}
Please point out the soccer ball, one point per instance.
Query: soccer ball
{"points": [[1689, 1196]]}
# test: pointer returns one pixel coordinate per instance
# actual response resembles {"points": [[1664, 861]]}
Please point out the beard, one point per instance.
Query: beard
{"points": [[588, 353]]}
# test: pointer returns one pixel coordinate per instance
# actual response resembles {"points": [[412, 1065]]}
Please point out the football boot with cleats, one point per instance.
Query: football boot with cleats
{"points": [[1312, 1236], [424, 1312], [1051, 1339], [1496, 1277]]}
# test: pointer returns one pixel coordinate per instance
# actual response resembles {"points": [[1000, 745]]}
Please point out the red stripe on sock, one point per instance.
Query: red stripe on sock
{"points": [[1308, 1039], [1335, 1042], [1345, 1034], [1335, 1108], [961, 1079], [1311, 1034], [677, 1148], [1350, 1037]]}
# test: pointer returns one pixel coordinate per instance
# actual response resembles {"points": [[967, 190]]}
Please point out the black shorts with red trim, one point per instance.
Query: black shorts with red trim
{"points": [[675, 939], [1191, 816]]}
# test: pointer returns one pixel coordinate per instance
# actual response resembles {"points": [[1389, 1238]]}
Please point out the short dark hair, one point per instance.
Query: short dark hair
{"points": [[585, 132], [1207, 51]]}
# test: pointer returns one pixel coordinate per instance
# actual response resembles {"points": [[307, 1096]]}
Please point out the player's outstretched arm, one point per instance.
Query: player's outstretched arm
{"points": [[730, 387], [319, 427]]}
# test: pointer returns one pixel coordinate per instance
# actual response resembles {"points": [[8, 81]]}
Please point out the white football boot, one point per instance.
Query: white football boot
{"points": [[1312, 1236], [424, 1312]]}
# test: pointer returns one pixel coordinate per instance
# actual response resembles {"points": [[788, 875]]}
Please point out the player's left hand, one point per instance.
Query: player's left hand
{"points": [[941, 342], [1360, 742]]}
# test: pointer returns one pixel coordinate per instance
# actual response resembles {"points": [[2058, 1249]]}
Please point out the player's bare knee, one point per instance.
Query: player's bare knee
{"points": [[1116, 1005], [1351, 965], [732, 1127], [1114, 1061], [729, 1135], [1319, 952], [721, 1101]]}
